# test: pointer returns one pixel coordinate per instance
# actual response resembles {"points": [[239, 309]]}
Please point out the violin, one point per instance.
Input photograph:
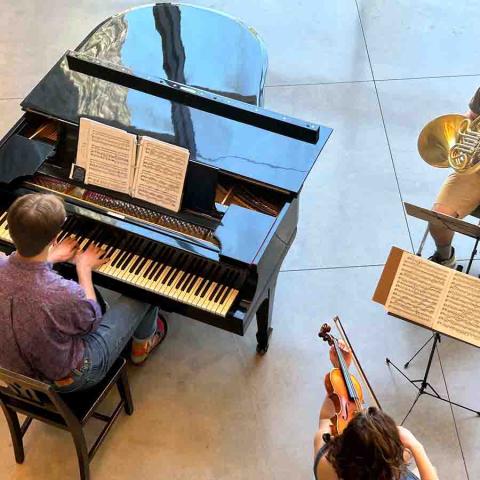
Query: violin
{"points": [[342, 387]]}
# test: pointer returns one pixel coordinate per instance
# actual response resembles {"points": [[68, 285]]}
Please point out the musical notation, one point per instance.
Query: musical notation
{"points": [[416, 290], [436, 297]]}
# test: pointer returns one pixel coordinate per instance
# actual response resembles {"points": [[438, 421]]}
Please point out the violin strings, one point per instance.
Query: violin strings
{"points": [[348, 380]]}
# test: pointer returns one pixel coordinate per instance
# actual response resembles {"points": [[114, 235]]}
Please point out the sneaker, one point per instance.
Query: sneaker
{"points": [[449, 262], [141, 349]]}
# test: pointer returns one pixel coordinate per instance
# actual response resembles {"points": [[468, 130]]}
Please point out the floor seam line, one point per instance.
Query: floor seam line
{"points": [[427, 77], [339, 267], [384, 125], [453, 413], [313, 84]]}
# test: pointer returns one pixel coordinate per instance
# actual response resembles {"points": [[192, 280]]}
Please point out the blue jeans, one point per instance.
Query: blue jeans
{"points": [[126, 318]]}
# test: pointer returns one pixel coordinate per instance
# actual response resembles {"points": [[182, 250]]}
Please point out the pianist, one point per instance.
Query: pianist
{"points": [[52, 328]]}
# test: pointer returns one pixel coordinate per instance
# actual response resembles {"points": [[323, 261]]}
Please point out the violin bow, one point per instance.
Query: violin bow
{"points": [[359, 368]]}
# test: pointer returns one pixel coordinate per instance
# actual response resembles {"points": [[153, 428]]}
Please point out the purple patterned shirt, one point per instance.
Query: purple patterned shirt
{"points": [[50, 317]]}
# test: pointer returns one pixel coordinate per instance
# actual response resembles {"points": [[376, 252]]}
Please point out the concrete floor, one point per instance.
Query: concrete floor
{"points": [[206, 406]]}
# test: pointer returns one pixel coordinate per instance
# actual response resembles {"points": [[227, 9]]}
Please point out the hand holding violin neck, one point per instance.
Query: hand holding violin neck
{"points": [[337, 347], [342, 387]]}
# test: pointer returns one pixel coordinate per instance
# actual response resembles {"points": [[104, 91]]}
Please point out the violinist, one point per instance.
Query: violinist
{"points": [[371, 447]]}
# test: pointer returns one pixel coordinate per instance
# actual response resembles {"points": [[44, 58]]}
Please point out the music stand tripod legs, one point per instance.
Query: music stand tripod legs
{"points": [[423, 382]]}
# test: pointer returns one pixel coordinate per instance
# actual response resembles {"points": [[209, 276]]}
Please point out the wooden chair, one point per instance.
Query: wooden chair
{"points": [[70, 411]]}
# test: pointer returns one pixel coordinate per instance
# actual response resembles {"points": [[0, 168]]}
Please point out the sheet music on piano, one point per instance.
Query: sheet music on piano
{"points": [[144, 168], [160, 173]]}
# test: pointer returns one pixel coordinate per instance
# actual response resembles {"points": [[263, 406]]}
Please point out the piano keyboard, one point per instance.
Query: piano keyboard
{"points": [[152, 266]]}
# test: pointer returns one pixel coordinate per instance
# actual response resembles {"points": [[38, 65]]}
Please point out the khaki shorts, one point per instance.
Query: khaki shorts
{"points": [[460, 193]]}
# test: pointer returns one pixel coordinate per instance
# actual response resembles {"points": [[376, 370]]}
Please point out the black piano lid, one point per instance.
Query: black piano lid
{"points": [[187, 44], [136, 43]]}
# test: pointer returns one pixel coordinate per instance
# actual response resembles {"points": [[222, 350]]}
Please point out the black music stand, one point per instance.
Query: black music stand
{"points": [[464, 228], [452, 223], [423, 382], [456, 225]]}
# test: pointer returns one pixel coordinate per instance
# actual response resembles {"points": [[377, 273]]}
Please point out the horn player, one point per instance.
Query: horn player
{"points": [[458, 197]]}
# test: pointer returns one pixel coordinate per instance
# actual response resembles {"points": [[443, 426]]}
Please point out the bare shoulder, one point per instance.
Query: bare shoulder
{"points": [[325, 470]]}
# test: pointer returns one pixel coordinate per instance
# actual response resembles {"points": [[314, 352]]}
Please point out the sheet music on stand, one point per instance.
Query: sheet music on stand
{"points": [[431, 295], [441, 299]]}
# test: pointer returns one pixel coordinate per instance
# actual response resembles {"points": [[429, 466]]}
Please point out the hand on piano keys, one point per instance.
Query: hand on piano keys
{"points": [[90, 258], [63, 251], [153, 266]]}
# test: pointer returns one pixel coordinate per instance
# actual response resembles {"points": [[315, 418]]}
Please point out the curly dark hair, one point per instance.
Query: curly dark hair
{"points": [[368, 449]]}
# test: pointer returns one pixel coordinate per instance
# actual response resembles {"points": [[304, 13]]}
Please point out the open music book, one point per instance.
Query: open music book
{"points": [[142, 167], [431, 295]]}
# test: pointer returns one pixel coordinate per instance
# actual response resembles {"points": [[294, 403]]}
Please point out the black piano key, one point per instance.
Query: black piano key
{"points": [[123, 250], [146, 256], [202, 289], [223, 296], [123, 243], [103, 236], [224, 286], [113, 245], [157, 256], [190, 273], [184, 272], [169, 259], [204, 275], [171, 274], [67, 228], [218, 280], [159, 262], [200, 269], [142, 259], [173, 263], [140, 252], [131, 252], [128, 252], [92, 236], [136, 249], [102, 239], [186, 269]]}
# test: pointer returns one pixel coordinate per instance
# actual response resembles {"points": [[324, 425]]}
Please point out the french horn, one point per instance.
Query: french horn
{"points": [[451, 141]]}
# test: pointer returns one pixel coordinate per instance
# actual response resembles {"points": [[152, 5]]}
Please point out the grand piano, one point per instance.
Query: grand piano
{"points": [[192, 77]]}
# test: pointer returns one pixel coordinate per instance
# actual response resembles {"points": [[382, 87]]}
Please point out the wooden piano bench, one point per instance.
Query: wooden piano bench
{"points": [[38, 400]]}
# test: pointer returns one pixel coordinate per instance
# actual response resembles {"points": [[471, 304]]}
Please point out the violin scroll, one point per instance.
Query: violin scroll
{"points": [[325, 335]]}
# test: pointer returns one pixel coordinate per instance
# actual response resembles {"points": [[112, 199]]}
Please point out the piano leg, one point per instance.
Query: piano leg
{"points": [[264, 321]]}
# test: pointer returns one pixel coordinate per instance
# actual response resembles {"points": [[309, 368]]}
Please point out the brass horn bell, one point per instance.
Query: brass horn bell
{"points": [[451, 141]]}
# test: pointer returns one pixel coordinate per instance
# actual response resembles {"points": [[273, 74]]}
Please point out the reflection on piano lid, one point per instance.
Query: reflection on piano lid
{"points": [[218, 258]]}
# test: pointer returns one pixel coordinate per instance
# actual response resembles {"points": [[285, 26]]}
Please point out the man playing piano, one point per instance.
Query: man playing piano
{"points": [[458, 197], [52, 328]]}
